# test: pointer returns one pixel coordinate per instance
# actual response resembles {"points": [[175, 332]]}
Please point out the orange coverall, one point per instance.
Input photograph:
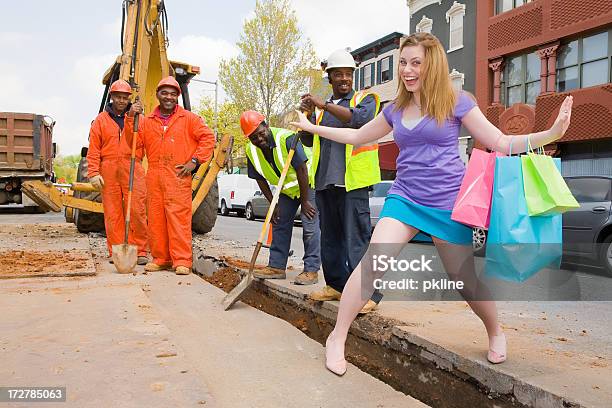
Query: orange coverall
{"points": [[168, 196], [109, 156]]}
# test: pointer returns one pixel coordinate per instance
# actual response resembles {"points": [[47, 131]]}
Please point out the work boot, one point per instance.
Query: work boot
{"points": [[326, 293], [368, 307], [270, 273], [307, 278], [182, 270], [142, 260], [153, 267]]}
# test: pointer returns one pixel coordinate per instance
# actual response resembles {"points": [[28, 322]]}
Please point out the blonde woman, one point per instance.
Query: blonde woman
{"points": [[425, 119]]}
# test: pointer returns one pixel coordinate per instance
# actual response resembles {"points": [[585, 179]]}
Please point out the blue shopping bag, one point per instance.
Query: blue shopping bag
{"points": [[518, 246]]}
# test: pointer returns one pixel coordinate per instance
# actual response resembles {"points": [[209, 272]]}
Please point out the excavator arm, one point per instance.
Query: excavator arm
{"points": [[143, 63]]}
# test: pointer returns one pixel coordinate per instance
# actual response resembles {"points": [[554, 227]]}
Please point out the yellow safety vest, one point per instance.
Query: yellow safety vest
{"points": [[361, 161], [291, 187]]}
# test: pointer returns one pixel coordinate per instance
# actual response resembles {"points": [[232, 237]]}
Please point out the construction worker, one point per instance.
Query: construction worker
{"points": [[108, 169], [342, 175], [175, 142], [267, 152]]}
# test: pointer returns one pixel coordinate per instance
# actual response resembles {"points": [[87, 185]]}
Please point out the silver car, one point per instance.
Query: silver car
{"points": [[378, 193], [257, 206]]}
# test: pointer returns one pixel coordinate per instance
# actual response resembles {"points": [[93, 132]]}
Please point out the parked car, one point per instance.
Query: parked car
{"points": [[258, 205], [587, 231], [378, 193], [234, 192]]}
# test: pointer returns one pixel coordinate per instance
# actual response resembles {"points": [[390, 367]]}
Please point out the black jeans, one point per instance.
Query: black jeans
{"points": [[282, 232], [345, 233]]}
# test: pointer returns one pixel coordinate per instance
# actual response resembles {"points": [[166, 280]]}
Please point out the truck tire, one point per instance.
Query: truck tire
{"points": [[204, 218], [224, 210], [87, 221]]}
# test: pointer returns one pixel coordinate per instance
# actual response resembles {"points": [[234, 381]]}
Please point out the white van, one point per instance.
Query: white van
{"points": [[234, 192]]}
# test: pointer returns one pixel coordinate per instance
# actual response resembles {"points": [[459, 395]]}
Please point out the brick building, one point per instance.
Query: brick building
{"points": [[530, 55]]}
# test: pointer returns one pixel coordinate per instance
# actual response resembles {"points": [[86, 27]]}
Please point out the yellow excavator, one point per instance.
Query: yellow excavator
{"points": [[142, 63]]}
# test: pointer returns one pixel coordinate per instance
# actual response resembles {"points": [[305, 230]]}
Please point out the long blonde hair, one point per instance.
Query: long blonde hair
{"points": [[437, 95]]}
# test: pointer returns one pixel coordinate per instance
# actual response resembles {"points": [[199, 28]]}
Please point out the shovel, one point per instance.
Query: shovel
{"points": [[235, 293], [126, 255]]}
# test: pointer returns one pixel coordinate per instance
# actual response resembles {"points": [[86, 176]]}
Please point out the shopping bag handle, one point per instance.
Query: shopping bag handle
{"points": [[530, 148]]}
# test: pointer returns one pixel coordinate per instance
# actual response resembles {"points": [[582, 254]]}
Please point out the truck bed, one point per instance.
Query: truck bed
{"points": [[25, 145]]}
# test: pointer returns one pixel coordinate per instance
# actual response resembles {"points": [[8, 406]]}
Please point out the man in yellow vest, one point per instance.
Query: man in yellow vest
{"points": [[342, 175], [267, 152]]}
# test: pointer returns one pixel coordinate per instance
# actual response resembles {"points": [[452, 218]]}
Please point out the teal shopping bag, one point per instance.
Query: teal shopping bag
{"points": [[518, 246]]}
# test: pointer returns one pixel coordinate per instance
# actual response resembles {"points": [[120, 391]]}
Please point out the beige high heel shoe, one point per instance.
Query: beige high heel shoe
{"points": [[497, 349], [337, 367]]}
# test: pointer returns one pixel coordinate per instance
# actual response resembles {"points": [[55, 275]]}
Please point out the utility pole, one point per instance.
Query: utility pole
{"points": [[216, 84]]}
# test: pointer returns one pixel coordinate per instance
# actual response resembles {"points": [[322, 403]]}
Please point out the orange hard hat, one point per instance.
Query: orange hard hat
{"points": [[120, 86], [169, 81], [249, 120]]}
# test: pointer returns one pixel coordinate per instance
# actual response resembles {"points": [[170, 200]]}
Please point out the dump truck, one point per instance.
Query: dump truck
{"points": [[143, 62], [26, 153]]}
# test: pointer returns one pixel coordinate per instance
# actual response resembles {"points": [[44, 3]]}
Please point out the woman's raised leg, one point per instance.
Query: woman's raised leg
{"points": [[458, 260]]}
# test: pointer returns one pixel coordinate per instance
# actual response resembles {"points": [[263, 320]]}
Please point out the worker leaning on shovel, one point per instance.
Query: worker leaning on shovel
{"points": [[267, 153], [108, 160], [175, 141]]}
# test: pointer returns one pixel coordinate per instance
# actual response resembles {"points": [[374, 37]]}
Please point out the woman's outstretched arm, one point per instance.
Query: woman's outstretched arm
{"points": [[371, 131], [494, 139]]}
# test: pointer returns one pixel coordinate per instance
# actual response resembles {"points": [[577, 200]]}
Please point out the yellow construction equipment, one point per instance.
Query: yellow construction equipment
{"points": [[142, 63]]}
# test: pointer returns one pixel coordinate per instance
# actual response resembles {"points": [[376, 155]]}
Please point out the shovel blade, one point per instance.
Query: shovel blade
{"points": [[235, 293], [125, 257]]}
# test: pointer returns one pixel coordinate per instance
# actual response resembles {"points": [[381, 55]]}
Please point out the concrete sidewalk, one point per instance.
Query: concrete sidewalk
{"points": [[160, 340], [560, 353]]}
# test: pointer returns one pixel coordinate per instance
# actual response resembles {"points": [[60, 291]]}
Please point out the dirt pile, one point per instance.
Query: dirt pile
{"points": [[239, 263], [224, 278], [21, 264]]}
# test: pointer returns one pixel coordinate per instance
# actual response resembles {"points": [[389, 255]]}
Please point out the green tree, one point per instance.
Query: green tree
{"points": [[229, 122], [274, 65], [65, 167]]}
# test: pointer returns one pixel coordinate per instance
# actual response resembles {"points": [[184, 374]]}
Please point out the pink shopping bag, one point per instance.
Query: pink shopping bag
{"points": [[473, 204]]}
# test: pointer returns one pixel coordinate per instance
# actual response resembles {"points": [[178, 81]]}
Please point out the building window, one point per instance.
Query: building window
{"points": [[385, 70], [457, 79], [367, 73], [356, 79], [584, 62], [521, 80], [501, 6], [425, 25], [454, 16]]}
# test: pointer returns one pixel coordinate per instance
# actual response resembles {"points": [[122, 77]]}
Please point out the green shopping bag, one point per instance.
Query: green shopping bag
{"points": [[546, 192]]}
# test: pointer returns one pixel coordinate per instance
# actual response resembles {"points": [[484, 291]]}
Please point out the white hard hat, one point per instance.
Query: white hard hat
{"points": [[340, 59]]}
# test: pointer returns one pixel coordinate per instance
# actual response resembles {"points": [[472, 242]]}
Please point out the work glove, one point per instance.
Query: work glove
{"points": [[97, 181]]}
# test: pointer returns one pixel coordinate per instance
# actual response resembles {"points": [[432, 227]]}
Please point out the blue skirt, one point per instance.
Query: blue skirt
{"points": [[430, 221]]}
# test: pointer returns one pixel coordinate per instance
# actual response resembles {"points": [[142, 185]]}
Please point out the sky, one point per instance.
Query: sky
{"points": [[54, 53]]}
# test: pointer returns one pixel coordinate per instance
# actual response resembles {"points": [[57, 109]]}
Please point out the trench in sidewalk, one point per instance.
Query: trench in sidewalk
{"points": [[371, 347]]}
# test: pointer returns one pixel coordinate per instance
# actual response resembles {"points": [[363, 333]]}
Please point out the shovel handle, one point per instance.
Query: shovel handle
{"points": [[131, 179], [277, 192]]}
